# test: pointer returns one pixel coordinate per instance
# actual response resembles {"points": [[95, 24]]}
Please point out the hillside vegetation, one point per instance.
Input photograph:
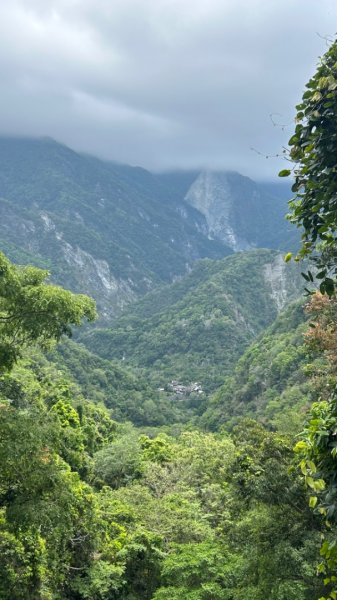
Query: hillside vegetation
{"points": [[127, 392], [94, 509], [270, 381], [198, 327], [115, 231]]}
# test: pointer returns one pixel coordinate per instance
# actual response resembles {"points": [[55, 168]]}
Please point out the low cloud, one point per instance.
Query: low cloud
{"points": [[161, 83]]}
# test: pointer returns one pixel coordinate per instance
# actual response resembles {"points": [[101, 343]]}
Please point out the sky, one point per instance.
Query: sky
{"points": [[163, 84]]}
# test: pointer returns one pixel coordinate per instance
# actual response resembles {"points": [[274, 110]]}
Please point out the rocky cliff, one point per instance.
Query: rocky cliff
{"points": [[115, 231]]}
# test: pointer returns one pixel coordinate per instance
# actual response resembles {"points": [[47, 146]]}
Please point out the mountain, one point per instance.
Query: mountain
{"points": [[195, 329], [239, 212], [126, 392], [107, 230], [270, 381], [115, 231]]}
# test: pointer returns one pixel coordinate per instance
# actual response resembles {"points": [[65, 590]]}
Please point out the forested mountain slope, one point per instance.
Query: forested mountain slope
{"points": [[115, 231], [90, 508], [105, 230], [270, 381], [93, 509], [128, 393], [239, 212], [196, 329]]}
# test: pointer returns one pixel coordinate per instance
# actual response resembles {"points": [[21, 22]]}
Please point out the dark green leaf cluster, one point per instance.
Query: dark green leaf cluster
{"points": [[314, 151]]}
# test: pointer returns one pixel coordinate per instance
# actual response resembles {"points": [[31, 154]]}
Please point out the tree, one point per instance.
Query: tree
{"points": [[201, 571], [120, 462], [46, 511], [314, 153], [32, 311], [317, 448]]}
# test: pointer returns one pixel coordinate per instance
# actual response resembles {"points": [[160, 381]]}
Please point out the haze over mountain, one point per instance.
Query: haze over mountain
{"points": [[115, 231], [161, 84]]}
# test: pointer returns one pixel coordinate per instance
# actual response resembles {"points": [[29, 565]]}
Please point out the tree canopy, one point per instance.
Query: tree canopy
{"points": [[313, 150], [314, 153], [33, 311]]}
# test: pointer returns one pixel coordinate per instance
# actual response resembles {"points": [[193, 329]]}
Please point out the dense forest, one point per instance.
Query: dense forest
{"points": [[119, 483], [198, 327], [92, 508]]}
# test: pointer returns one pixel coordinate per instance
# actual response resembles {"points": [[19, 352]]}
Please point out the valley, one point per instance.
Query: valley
{"points": [[168, 300], [146, 455], [115, 232]]}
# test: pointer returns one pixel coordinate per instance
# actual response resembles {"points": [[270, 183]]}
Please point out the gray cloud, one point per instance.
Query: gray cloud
{"points": [[161, 83]]}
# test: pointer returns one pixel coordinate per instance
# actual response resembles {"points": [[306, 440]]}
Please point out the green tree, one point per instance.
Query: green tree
{"points": [[32, 311], [314, 153], [203, 571], [46, 511], [120, 462], [317, 449], [274, 528]]}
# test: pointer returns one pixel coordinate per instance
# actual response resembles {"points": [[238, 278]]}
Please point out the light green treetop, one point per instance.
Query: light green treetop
{"points": [[34, 311]]}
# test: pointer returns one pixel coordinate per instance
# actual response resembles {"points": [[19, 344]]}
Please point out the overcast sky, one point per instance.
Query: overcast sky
{"points": [[161, 83]]}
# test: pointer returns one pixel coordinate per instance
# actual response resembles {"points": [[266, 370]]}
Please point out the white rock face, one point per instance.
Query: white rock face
{"points": [[47, 222], [95, 274], [275, 275], [210, 194]]}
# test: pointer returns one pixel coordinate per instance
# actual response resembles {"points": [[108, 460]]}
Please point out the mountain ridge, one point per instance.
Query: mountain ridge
{"points": [[195, 329], [114, 231]]}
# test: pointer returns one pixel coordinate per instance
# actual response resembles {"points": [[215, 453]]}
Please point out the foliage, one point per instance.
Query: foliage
{"points": [[313, 151], [94, 510], [317, 447], [197, 516], [32, 311], [120, 462], [269, 382], [196, 329], [124, 390]]}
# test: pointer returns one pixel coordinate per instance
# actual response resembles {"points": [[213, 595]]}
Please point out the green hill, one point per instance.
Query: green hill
{"points": [[196, 329], [125, 391], [270, 381]]}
